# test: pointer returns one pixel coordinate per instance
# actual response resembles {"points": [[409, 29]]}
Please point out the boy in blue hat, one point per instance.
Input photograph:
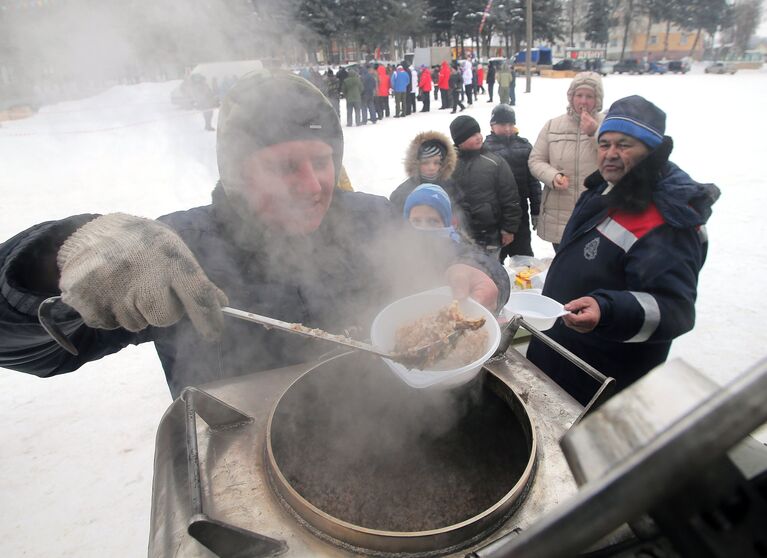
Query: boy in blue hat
{"points": [[428, 208]]}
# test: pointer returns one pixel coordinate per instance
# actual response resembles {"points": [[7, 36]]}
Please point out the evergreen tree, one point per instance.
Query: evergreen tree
{"points": [[466, 20], [746, 17], [439, 18], [597, 23], [701, 15], [318, 24], [510, 17], [547, 20]]}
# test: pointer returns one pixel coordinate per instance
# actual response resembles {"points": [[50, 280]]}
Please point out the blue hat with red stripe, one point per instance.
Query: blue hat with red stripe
{"points": [[637, 117]]}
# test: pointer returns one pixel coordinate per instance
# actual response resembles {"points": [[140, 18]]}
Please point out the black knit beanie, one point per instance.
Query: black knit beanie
{"points": [[265, 108], [462, 128], [503, 114]]}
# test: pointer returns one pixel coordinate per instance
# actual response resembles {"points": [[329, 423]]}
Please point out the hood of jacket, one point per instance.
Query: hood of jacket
{"points": [[411, 156], [589, 79], [682, 201]]}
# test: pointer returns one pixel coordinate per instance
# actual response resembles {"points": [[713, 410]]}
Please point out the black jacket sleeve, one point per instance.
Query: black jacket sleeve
{"points": [[534, 193], [29, 275], [508, 197], [475, 257]]}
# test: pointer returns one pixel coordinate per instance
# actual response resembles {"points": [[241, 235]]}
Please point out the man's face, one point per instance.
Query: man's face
{"points": [[289, 185], [472, 144], [618, 154], [584, 99], [506, 129]]}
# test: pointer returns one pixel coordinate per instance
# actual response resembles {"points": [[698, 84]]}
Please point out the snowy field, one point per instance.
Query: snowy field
{"points": [[76, 457]]}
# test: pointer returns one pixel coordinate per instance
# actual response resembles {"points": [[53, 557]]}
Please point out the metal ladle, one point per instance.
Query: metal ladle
{"points": [[409, 358]]}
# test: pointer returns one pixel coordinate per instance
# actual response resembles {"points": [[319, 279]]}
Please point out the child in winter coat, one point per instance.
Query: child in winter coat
{"points": [[428, 208], [505, 142], [430, 157]]}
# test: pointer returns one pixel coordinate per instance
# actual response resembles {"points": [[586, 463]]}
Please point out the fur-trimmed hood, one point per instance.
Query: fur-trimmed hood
{"points": [[411, 156]]}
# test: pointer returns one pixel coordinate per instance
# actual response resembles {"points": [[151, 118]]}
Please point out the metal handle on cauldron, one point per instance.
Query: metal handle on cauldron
{"points": [[223, 539], [607, 384]]}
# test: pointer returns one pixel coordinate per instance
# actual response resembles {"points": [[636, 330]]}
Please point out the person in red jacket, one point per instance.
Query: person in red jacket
{"points": [[480, 85], [444, 85], [424, 84], [382, 95]]}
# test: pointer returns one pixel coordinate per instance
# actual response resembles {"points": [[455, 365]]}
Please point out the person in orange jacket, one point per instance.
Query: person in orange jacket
{"points": [[382, 95], [425, 85], [444, 85], [480, 85]]}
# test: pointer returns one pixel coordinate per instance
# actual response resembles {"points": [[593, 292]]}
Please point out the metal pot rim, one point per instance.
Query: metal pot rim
{"points": [[352, 534]]}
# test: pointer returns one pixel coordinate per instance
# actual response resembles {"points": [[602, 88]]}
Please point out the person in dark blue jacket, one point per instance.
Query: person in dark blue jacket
{"points": [[279, 239], [628, 265]]}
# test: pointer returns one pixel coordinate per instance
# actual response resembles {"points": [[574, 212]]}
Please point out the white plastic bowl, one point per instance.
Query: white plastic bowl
{"points": [[539, 311], [416, 306]]}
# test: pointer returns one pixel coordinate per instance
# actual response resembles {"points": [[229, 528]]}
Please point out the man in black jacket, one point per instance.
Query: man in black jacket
{"points": [[486, 189], [515, 150], [278, 239]]}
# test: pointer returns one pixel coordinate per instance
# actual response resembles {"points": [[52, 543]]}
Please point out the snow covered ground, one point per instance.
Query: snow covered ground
{"points": [[76, 457]]}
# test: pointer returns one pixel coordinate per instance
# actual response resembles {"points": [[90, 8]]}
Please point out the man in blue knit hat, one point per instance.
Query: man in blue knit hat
{"points": [[628, 265]]}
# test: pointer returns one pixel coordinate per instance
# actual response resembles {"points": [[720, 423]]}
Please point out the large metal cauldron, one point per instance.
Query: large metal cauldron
{"points": [[368, 461], [470, 468]]}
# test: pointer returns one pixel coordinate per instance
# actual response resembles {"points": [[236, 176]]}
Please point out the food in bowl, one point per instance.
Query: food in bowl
{"points": [[434, 331], [524, 277]]}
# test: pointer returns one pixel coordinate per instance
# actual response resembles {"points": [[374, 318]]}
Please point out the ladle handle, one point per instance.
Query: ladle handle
{"points": [[299, 329]]}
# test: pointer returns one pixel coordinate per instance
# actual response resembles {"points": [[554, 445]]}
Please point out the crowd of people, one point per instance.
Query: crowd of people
{"points": [[368, 88], [501, 188], [281, 238]]}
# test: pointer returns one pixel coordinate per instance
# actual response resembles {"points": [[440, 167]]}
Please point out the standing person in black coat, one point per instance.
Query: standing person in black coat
{"points": [[203, 99], [369, 88], [490, 80], [456, 88], [342, 74], [513, 86], [506, 142], [333, 91], [486, 189]]}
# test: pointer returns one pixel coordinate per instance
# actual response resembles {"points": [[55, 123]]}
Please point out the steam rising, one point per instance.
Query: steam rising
{"points": [[65, 48]]}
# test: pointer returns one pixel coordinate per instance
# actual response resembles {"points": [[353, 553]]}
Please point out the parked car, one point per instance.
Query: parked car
{"points": [[570, 64], [678, 67], [630, 66], [658, 68], [721, 68], [606, 67]]}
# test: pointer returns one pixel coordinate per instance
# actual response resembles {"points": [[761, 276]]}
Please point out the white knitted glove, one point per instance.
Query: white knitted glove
{"points": [[130, 272]]}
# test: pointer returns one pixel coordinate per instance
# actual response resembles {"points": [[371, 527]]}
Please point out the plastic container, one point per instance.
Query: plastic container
{"points": [[416, 306], [539, 311]]}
